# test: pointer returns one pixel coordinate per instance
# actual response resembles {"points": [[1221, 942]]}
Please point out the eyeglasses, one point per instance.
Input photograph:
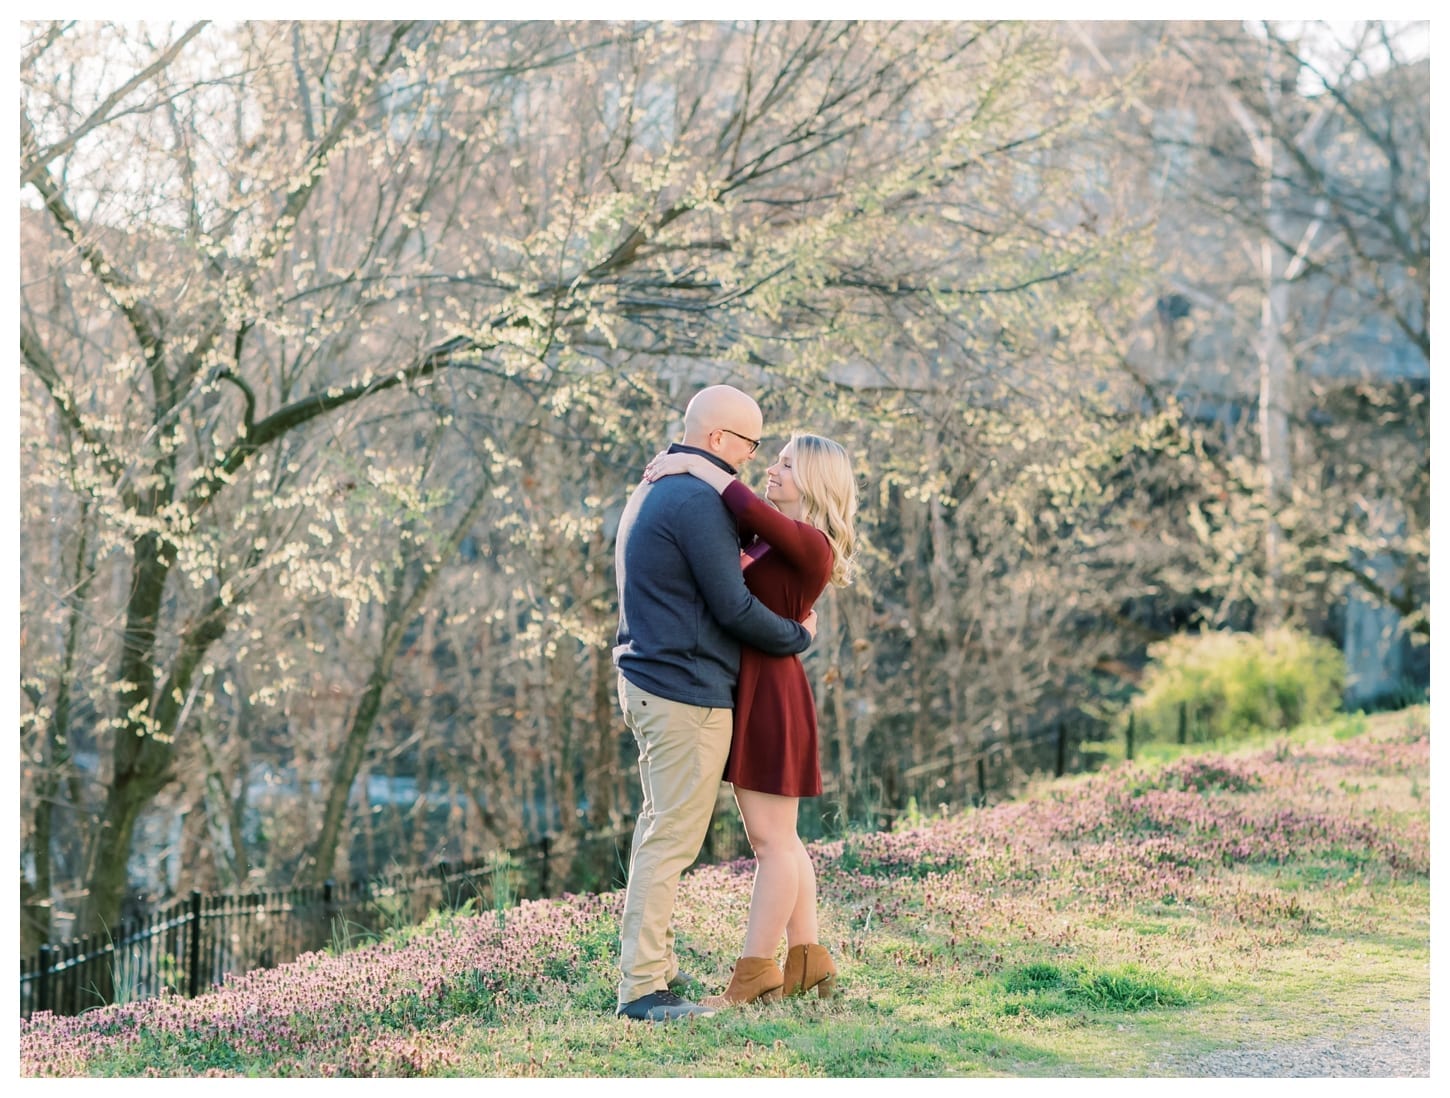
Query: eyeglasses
{"points": [[754, 442]]}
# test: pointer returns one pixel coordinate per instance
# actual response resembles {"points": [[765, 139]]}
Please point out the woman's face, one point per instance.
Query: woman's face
{"points": [[780, 484]]}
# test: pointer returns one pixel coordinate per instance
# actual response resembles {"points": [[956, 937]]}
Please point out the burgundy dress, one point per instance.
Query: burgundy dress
{"points": [[773, 748]]}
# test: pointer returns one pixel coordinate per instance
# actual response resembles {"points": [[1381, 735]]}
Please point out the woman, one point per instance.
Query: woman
{"points": [[796, 540]]}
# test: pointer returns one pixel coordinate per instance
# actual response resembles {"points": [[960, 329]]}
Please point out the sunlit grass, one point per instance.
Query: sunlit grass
{"points": [[1112, 924]]}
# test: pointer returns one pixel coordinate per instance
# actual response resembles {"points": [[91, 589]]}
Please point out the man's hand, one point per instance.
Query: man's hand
{"points": [[809, 621]]}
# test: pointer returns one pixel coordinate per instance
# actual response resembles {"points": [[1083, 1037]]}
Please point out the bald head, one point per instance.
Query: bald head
{"points": [[720, 406]]}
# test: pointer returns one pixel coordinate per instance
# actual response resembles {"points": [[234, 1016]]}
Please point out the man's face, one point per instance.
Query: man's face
{"points": [[735, 445]]}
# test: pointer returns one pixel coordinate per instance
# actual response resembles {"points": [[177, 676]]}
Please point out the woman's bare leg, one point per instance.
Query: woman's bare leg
{"points": [[770, 825], [802, 927]]}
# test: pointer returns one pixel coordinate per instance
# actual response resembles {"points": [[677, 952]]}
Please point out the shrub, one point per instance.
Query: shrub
{"points": [[1232, 684]]}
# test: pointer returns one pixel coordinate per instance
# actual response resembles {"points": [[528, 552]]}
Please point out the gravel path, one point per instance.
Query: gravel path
{"points": [[1398, 1049]]}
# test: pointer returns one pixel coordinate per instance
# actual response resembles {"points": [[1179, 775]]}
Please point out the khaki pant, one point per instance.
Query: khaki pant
{"points": [[682, 750]]}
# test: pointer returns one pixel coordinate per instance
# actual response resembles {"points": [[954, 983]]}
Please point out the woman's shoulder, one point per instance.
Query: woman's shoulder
{"points": [[818, 556], [817, 536]]}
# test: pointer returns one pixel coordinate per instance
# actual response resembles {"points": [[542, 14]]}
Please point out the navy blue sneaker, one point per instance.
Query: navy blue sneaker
{"points": [[662, 1006]]}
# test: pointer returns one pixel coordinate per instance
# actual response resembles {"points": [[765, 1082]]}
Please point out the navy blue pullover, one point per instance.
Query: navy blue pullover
{"points": [[684, 609]]}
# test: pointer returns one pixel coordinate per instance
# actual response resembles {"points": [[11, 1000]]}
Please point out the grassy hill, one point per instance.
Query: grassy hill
{"points": [[1125, 923]]}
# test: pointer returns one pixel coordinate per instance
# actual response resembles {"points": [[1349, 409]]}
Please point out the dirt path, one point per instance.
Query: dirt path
{"points": [[1399, 1047]]}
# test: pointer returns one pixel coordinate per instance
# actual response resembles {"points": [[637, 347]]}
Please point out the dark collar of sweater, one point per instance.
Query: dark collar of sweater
{"points": [[681, 448]]}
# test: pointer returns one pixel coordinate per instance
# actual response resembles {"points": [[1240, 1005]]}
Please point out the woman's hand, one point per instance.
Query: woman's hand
{"points": [[809, 621], [665, 464]]}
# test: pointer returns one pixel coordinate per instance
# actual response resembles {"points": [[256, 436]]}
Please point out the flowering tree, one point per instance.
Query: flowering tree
{"points": [[338, 339], [212, 272]]}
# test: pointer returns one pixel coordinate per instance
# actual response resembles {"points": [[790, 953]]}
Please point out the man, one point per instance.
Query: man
{"points": [[684, 611]]}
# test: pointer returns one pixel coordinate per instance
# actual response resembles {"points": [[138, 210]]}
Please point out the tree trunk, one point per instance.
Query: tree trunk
{"points": [[401, 610], [606, 729], [109, 880], [1274, 370], [56, 758], [142, 757], [350, 756]]}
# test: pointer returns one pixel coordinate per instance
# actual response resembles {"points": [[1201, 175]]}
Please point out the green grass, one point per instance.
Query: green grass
{"points": [[1034, 950]]}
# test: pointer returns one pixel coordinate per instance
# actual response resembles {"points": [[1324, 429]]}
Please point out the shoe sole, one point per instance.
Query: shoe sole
{"points": [[669, 1017]]}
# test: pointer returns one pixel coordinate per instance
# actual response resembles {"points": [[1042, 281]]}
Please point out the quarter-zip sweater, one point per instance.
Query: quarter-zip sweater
{"points": [[684, 609]]}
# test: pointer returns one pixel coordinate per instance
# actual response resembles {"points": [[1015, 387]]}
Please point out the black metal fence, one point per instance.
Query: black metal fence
{"points": [[189, 946]]}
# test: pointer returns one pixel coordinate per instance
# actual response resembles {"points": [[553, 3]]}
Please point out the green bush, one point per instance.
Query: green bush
{"points": [[1233, 684]]}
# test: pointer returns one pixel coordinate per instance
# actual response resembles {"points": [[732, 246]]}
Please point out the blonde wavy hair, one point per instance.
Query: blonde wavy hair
{"points": [[828, 498]]}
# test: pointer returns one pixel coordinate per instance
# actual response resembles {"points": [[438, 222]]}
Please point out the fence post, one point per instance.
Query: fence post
{"points": [[1061, 747], [193, 980], [982, 779], [1130, 737], [43, 993], [1182, 722], [544, 845], [325, 930], [445, 898]]}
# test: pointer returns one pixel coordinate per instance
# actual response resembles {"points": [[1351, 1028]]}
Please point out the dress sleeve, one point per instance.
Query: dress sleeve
{"points": [[799, 542], [712, 553]]}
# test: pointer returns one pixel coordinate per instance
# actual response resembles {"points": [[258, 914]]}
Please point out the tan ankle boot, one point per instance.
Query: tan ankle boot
{"points": [[807, 968], [754, 978]]}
